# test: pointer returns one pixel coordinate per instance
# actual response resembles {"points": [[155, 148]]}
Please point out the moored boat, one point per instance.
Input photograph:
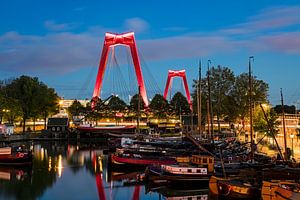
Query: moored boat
{"points": [[198, 169], [9, 156], [103, 131], [233, 188], [280, 190], [138, 160]]}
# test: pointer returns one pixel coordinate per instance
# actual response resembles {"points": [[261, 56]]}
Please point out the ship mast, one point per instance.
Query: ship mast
{"points": [[210, 104], [139, 111], [251, 58], [199, 102], [283, 125]]}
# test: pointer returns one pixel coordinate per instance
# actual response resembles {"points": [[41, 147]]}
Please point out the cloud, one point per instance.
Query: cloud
{"points": [[268, 20], [53, 26], [65, 52], [136, 24], [53, 53], [283, 42], [186, 46], [175, 29]]}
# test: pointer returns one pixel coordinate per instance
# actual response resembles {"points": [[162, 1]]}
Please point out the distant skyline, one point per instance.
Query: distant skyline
{"points": [[61, 41]]}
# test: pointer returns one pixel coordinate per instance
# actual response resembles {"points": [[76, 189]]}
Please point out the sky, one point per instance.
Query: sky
{"points": [[61, 41]]}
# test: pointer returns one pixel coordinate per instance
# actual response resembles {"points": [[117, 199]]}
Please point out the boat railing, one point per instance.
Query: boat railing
{"points": [[204, 160]]}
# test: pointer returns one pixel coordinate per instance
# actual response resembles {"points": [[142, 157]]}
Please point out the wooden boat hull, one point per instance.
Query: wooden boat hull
{"points": [[285, 173], [118, 160], [16, 159], [180, 192], [227, 188], [155, 174], [272, 191], [105, 131]]}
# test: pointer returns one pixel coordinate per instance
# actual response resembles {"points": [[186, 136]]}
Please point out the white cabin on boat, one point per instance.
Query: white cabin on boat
{"points": [[5, 150], [188, 170]]}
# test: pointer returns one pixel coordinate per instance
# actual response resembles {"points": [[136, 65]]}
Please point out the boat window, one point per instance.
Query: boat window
{"points": [[204, 160], [198, 171], [190, 170]]}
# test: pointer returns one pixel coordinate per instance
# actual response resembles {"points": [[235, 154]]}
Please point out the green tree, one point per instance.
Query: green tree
{"points": [[240, 94], [159, 106], [76, 109], [287, 109], [24, 90], [46, 102], [203, 99], [2, 101], [116, 104], [222, 82], [133, 105], [179, 104], [261, 125]]}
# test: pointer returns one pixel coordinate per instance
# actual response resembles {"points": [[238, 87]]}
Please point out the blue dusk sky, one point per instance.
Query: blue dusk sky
{"points": [[61, 41]]}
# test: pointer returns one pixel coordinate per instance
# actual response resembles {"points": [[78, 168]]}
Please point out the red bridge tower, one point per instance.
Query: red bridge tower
{"points": [[178, 73], [111, 40]]}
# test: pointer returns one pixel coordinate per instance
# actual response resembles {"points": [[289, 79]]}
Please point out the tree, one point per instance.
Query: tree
{"points": [[24, 90], [76, 109], [116, 104], [261, 125], [46, 102], [2, 100], [240, 95], [179, 104], [159, 106], [221, 83], [287, 109], [203, 99], [133, 105]]}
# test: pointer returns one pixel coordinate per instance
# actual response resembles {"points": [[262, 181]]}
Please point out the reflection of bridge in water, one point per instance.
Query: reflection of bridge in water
{"points": [[98, 167]]}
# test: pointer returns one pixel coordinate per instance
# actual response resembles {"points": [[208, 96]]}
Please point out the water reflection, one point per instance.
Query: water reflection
{"points": [[80, 171]]}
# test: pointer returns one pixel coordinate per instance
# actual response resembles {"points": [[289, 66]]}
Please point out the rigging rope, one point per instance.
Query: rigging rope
{"points": [[150, 81]]}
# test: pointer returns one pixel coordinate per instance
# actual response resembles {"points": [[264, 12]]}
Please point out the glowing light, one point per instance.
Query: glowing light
{"points": [[100, 163], [42, 153], [49, 164], [59, 165]]}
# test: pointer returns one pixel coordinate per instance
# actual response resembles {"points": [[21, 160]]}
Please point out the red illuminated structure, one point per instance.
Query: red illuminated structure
{"points": [[112, 40], [178, 73]]}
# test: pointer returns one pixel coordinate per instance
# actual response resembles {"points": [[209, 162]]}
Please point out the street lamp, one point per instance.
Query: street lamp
{"points": [[292, 137]]}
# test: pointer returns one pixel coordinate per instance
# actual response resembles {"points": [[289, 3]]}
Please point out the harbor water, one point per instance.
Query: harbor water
{"points": [[63, 170]]}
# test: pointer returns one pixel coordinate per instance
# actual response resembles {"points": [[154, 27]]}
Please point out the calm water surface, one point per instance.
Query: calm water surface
{"points": [[77, 171]]}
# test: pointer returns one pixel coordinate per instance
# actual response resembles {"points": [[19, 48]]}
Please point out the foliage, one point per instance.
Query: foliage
{"points": [[229, 94], [260, 124], [287, 109], [76, 109], [221, 83], [116, 104], [27, 97], [240, 95], [133, 105], [179, 104], [203, 100], [159, 106], [46, 102]]}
